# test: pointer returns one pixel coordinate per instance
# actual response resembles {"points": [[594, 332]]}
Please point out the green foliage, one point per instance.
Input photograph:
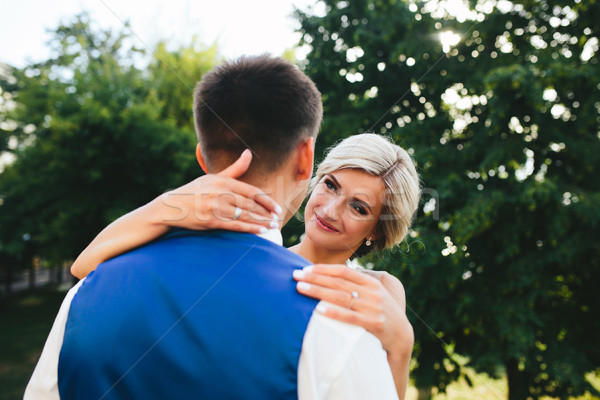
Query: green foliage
{"points": [[96, 137], [505, 129], [174, 76]]}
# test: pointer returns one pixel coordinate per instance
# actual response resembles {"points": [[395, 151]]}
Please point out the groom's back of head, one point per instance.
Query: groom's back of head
{"points": [[262, 103]]}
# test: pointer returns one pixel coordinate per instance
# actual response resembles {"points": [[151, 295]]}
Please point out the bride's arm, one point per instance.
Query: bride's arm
{"points": [[208, 202], [129, 231], [400, 351], [380, 308]]}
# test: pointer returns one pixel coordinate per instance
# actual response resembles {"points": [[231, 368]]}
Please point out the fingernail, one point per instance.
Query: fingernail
{"points": [[321, 308], [303, 286], [275, 217], [299, 274], [274, 225], [263, 229], [308, 268], [278, 209]]}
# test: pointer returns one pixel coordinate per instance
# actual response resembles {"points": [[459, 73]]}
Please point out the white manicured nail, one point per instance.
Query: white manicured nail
{"points": [[321, 308], [303, 286], [263, 230], [278, 209], [308, 268], [274, 225], [299, 274], [275, 217]]}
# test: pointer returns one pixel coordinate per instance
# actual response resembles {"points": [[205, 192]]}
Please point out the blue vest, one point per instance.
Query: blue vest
{"points": [[194, 315]]}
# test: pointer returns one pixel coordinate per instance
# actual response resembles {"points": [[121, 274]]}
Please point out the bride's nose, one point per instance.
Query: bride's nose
{"points": [[332, 209]]}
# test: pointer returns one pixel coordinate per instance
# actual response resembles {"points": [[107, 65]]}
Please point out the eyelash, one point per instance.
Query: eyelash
{"points": [[357, 207], [360, 209], [330, 185]]}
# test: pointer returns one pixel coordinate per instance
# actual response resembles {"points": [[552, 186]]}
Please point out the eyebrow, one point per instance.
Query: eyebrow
{"points": [[334, 180], [354, 198]]}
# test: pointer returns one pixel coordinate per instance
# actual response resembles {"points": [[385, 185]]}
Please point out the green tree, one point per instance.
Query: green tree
{"points": [[95, 137], [502, 265], [174, 75]]}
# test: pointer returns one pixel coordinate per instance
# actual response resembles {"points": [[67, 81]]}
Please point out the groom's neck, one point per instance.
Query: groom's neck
{"points": [[284, 189]]}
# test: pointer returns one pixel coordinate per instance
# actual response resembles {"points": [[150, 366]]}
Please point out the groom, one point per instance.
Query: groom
{"points": [[216, 314]]}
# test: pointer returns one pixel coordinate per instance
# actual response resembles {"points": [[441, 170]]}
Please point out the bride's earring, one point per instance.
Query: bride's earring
{"points": [[368, 242]]}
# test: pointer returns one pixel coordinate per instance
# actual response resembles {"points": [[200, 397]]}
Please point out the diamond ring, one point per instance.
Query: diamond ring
{"points": [[237, 213]]}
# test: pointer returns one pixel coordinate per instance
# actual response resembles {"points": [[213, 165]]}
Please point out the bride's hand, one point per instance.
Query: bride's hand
{"points": [[371, 299], [219, 201], [214, 201]]}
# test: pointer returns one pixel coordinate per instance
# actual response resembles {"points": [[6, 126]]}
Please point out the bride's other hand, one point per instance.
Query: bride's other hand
{"points": [[372, 299], [219, 201]]}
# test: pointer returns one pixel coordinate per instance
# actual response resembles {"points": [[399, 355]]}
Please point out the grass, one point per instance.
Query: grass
{"points": [[26, 320], [487, 388]]}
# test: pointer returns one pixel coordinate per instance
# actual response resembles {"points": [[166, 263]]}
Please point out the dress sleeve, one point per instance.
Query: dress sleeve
{"points": [[342, 361], [365, 374], [43, 384]]}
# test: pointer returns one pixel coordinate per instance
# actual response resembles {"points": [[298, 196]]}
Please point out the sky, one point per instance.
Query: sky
{"points": [[238, 26]]}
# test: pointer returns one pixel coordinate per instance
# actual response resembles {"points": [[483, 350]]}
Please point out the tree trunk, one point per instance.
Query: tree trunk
{"points": [[59, 274], [31, 269], [8, 278], [518, 388], [424, 393]]}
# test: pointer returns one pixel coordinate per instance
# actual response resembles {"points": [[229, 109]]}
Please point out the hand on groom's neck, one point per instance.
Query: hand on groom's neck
{"points": [[287, 185]]}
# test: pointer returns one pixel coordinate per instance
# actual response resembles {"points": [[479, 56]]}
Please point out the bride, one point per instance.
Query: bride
{"points": [[362, 198]]}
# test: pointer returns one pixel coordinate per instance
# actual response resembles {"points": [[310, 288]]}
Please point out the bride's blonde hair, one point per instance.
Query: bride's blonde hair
{"points": [[379, 156]]}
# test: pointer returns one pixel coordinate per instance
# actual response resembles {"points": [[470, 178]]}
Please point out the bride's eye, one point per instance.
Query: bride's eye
{"points": [[359, 209], [330, 184]]}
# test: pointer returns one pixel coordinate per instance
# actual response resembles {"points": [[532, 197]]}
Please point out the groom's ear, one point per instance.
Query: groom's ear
{"points": [[306, 156], [200, 159]]}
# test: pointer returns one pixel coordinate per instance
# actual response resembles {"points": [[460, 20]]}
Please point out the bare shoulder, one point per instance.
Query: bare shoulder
{"points": [[391, 284]]}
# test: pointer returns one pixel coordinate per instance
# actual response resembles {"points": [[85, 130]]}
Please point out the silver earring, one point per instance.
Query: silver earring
{"points": [[368, 242]]}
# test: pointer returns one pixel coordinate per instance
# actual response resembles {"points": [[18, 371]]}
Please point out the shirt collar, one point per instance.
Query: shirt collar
{"points": [[273, 235]]}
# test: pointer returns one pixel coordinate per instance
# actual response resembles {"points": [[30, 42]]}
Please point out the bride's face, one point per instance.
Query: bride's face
{"points": [[343, 210]]}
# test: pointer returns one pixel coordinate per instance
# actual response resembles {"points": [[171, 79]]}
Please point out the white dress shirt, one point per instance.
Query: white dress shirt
{"points": [[338, 361]]}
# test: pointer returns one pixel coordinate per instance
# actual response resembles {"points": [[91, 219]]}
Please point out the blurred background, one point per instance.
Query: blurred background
{"points": [[497, 101]]}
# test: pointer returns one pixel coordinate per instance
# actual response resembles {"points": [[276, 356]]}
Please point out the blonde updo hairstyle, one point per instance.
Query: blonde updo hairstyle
{"points": [[379, 156]]}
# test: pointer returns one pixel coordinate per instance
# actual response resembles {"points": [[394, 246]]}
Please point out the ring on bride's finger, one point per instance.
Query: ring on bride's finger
{"points": [[237, 213], [354, 295]]}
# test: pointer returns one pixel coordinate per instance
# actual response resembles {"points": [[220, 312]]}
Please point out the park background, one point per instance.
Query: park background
{"points": [[499, 104]]}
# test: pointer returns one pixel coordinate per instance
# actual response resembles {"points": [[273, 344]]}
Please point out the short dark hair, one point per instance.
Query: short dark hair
{"points": [[262, 103]]}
